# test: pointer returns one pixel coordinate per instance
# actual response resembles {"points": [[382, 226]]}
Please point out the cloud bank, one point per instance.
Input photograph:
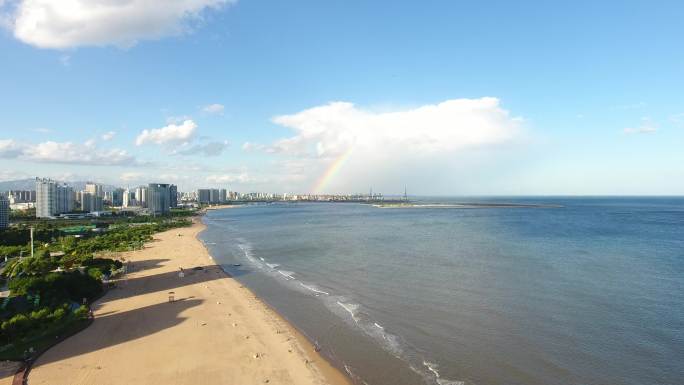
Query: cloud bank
{"points": [[332, 129], [206, 149], [65, 152], [67, 24], [230, 178], [10, 149], [388, 145]]}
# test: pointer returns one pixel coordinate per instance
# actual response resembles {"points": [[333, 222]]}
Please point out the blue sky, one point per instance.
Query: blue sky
{"points": [[444, 97]]}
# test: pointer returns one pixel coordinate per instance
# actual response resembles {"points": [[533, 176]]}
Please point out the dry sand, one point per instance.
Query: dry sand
{"points": [[215, 332]]}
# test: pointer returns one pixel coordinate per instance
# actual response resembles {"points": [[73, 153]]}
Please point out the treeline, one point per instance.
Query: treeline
{"points": [[45, 230], [67, 252], [42, 302], [49, 292], [37, 328]]}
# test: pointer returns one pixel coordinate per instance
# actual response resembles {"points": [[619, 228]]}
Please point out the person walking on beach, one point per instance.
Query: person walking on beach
{"points": [[181, 274]]}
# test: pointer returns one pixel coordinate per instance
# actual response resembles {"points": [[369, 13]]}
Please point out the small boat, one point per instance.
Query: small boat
{"points": [[237, 264]]}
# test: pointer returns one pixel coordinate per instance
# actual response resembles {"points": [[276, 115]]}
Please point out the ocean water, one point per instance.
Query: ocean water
{"points": [[588, 293]]}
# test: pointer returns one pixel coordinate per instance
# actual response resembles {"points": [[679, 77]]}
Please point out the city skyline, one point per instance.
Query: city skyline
{"points": [[444, 98]]}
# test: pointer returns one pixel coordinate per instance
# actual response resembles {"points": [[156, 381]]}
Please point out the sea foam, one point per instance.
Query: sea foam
{"points": [[432, 367], [287, 274], [312, 288]]}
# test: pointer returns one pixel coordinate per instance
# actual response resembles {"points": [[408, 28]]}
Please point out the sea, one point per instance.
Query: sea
{"points": [[454, 291]]}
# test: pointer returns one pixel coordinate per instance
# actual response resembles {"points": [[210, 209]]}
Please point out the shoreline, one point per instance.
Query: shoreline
{"points": [[327, 369], [215, 331], [221, 207], [465, 206]]}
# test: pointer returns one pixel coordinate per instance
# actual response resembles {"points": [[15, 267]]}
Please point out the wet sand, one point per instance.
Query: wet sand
{"points": [[214, 332]]}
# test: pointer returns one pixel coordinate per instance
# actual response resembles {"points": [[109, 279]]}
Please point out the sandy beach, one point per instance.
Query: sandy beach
{"points": [[214, 332]]}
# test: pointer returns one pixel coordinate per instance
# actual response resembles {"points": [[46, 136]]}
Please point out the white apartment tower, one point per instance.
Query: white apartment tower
{"points": [[95, 189], [65, 199], [141, 196], [90, 202], [53, 198], [128, 198], [46, 198]]}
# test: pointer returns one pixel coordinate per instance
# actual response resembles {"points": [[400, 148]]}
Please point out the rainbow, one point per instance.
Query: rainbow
{"points": [[330, 172]]}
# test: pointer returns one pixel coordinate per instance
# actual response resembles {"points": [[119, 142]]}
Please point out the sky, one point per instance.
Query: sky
{"points": [[438, 97]]}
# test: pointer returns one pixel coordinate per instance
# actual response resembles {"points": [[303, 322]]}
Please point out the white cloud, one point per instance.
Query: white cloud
{"points": [[214, 108], [131, 176], [646, 127], [177, 119], [173, 177], [230, 178], [66, 24], [10, 149], [6, 175], [389, 147], [206, 149], [640, 130], [68, 152], [332, 129], [249, 146], [90, 143], [173, 133], [64, 152], [108, 135]]}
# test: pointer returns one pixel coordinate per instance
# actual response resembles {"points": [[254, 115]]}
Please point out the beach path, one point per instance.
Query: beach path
{"points": [[214, 332]]}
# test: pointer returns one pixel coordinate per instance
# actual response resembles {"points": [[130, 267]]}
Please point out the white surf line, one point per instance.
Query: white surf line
{"points": [[314, 289], [287, 274]]}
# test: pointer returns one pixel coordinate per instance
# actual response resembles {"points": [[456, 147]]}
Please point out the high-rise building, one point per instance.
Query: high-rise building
{"points": [[129, 198], [173, 195], [159, 200], [108, 197], [4, 212], [53, 198], [141, 196], [213, 195], [223, 195], [203, 195], [21, 196], [85, 198], [46, 198], [117, 197], [65, 199], [90, 202], [95, 189]]}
